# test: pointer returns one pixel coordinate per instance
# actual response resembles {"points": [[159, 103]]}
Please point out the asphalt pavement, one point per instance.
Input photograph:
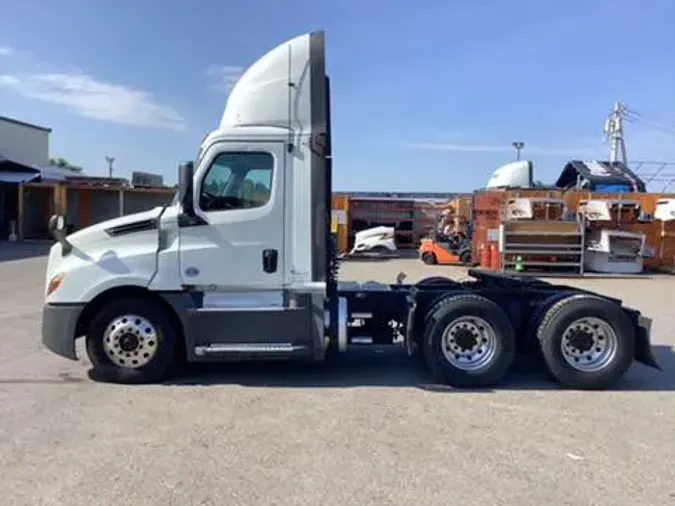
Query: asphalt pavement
{"points": [[372, 429]]}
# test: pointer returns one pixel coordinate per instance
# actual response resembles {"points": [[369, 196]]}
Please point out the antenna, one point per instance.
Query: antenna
{"points": [[109, 160], [614, 133], [518, 145]]}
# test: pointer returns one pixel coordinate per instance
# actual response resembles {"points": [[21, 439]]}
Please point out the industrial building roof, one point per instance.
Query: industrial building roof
{"points": [[15, 172], [24, 123]]}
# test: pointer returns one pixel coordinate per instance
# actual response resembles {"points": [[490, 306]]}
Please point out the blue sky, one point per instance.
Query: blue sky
{"points": [[426, 95]]}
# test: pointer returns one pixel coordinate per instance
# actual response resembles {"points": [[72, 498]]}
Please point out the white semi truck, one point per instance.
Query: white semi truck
{"points": [[241, 265]]}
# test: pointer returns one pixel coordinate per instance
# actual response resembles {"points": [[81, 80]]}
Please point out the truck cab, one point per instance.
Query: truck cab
{"points": [[243, 245]]}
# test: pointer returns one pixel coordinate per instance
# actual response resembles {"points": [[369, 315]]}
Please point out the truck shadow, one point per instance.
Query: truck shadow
{"points": [[379, 257], [393, 368], [23, 250]]}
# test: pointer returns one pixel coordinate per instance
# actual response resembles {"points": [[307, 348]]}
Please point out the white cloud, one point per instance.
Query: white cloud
{"points": [[9, 81], [5, 50], [465, 147], [90, 98], [224, 77]]}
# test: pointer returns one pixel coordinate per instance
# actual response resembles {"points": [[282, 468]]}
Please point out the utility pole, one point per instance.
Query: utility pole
{"points": [[518, 145], [614, 132], [109, 160]]}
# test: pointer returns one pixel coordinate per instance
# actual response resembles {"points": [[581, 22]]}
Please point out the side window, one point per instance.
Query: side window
{"points": [[237, 181]]}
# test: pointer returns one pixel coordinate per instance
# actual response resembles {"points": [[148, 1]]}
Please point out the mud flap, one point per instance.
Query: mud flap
{"points": [[410, 345], [643, 346]]}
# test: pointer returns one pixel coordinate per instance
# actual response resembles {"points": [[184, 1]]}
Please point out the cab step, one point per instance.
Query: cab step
{"points": [[228, 348]]}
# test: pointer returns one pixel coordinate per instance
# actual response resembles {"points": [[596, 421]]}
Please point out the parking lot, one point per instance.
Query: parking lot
{"points": [[371, 430]]}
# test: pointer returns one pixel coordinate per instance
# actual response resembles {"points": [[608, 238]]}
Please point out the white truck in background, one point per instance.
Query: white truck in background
{"points": [[242, 265]]}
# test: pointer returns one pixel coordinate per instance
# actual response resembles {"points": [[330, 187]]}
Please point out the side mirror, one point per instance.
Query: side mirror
{"points": [[57, 227], [57, 224], [185, 174]]}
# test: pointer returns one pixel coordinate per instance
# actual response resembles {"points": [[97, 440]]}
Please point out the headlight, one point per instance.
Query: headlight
{"points": [[55, 282]]}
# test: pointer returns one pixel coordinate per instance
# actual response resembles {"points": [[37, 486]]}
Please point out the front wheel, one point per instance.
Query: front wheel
{"points": [[131, 341], [429, 258]]}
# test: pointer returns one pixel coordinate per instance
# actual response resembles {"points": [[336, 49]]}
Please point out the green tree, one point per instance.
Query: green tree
{"points": [[62, 163]]}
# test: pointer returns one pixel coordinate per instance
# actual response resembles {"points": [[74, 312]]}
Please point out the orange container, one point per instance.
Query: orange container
{"points": [[484, 257], [494, 257]]}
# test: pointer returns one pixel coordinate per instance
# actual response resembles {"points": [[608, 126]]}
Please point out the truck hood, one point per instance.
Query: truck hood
{"points": [[117, 252], [137, 222]]}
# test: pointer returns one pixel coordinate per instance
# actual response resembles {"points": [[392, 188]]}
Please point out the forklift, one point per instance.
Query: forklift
{"points": [[448, 245]]}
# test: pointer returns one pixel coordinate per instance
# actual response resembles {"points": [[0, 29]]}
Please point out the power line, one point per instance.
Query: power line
{"points": [[633, 116]]}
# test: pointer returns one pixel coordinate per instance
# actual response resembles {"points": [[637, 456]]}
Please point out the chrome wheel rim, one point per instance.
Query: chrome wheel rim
{"points": [[469, 343], [130, 341], [589, 344]]}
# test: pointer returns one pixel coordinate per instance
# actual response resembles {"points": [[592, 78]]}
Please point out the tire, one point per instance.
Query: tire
{"points": [[530, 343], [436, 281], [465, 258], [486, 322], [429, 258], [587, 342], [155, 342]]}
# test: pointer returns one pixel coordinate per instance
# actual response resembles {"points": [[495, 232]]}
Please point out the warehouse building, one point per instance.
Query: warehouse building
{"points": [[24, 156], [31, 190], [24, 143]]}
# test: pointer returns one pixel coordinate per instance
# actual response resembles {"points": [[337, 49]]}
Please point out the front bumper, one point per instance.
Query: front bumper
{"points": [[59, 322]]}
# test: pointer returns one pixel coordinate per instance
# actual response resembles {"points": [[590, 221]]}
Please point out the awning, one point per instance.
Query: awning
{"points": [[18, 177], [15, 172], [49, 173]]}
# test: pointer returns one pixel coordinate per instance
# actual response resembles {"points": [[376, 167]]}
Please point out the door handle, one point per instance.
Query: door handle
{"points": [[270, 258]]}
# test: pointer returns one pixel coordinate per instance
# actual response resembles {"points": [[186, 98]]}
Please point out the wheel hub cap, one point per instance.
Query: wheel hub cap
{"points": [[466, 339], [130, 341], [469, 343], [589, 344], [581, 340]]}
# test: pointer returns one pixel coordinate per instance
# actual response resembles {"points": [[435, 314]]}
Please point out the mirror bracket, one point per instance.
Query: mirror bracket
{"points": [[57, 228], [187, 216]]}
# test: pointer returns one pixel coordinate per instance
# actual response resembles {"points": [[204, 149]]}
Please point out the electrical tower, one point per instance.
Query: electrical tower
{"points": [[109, 160], [614, 133]]}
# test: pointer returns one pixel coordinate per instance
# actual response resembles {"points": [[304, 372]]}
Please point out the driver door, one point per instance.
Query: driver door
{"points": [[238, 246]]}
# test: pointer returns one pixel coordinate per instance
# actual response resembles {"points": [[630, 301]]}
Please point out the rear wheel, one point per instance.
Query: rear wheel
{"points": [[465, 257], [587, 342], [530, 342], [131, 341], [429, 258], [468, 341]]}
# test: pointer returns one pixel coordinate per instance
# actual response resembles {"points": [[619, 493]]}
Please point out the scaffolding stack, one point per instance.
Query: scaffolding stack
{"points": [[543, 238]]}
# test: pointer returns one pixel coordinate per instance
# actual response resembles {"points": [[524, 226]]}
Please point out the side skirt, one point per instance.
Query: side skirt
{"points": [[224, 331]]}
